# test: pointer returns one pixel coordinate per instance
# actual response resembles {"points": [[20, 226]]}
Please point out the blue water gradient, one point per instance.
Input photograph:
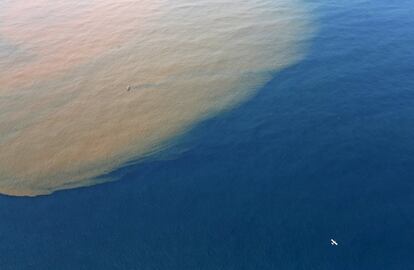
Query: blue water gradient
{"points": [[325, 150]]}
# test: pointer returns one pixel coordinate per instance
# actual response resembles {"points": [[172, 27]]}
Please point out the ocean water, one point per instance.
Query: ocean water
{"points": [[89, 86], [323, 150]]}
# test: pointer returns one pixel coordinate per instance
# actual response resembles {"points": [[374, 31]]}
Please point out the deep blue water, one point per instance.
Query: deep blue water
{"points": [[325, 150]]}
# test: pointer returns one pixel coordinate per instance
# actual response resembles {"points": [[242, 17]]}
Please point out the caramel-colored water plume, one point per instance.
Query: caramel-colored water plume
{"points": [[67, 114]]}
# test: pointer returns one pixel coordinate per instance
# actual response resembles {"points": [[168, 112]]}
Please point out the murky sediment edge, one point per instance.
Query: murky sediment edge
{"points": [[85, 123]]}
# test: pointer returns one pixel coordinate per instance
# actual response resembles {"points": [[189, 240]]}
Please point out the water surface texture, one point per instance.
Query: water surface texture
{"points": [[87, 86], [323, 150]]}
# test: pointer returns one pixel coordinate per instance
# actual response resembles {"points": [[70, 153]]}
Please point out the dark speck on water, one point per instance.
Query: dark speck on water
{"points": [[143, 86]]}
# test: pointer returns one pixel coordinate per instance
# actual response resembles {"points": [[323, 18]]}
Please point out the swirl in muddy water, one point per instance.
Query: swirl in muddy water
{"points": [[88, 86]]}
